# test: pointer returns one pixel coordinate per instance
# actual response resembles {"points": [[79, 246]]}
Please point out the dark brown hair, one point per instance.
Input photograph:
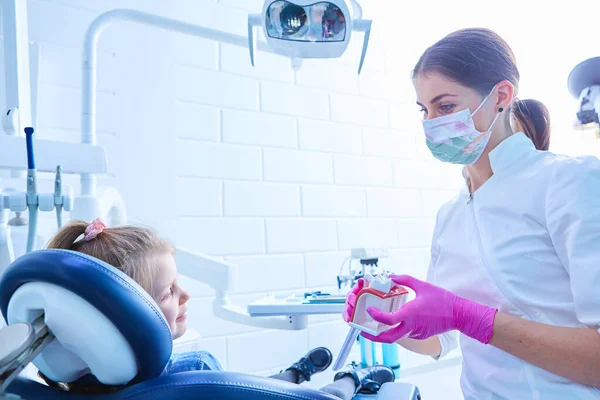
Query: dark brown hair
{"points": [[479, 58]]}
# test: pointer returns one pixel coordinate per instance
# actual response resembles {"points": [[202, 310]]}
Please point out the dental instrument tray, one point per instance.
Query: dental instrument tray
{"points": [[298, 304]]}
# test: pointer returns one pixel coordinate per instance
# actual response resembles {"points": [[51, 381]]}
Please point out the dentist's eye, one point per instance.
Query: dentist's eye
{"points": [[447, 108], [423, 111]]}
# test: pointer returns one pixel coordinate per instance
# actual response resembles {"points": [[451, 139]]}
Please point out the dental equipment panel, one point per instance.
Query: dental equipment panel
{"points": [[307, 29], [31, 200], [380, 292]]}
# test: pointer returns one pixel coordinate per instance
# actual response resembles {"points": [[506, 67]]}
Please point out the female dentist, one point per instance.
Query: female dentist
{"points": [[515, 258]]}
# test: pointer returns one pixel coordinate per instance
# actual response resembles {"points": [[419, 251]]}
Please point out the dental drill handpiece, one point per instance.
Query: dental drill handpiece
{"points": [[346, 348]]}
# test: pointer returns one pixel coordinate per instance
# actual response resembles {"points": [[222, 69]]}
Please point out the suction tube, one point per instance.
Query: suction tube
{"points": [[32, 201]]}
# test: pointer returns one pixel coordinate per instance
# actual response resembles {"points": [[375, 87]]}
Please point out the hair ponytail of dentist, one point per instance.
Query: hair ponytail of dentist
{"points": [[479, 58]]}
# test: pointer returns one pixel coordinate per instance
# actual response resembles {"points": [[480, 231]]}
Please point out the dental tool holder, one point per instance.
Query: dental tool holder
{"points": [[20, 201]]}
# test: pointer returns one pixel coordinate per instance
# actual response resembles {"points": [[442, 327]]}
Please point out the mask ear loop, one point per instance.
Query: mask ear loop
{"points": [[484, 100], [495, 119]]}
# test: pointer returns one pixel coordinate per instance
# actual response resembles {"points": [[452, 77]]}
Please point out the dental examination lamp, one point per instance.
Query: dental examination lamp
{"points": [[309, 29], [584, 85]]}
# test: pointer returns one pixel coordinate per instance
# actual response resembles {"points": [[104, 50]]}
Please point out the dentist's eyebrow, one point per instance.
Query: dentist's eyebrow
{"points": [[438, 98]]}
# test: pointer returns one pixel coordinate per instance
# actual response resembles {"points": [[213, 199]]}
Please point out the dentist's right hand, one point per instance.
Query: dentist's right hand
{"points": [[434, 311], [351, 299]]}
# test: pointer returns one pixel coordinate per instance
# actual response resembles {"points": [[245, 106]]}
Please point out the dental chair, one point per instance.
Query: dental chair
{"points": [[74, 315]]}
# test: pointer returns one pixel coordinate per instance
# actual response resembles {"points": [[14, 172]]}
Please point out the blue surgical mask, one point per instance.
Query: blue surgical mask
{"points": [[454, 139]]}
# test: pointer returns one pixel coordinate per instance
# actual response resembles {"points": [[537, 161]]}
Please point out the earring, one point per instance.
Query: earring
{"points": [[500, 109]]}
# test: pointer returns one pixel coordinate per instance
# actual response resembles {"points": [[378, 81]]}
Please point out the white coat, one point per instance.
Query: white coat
{"points": [[528, 243]]}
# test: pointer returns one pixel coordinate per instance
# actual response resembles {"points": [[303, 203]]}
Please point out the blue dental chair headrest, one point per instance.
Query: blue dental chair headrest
{"points": [[115, 299], [107, 325]]}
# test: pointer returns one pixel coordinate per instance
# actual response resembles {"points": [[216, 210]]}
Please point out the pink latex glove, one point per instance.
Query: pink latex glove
{"points": [[351, 299], [434, 311]]}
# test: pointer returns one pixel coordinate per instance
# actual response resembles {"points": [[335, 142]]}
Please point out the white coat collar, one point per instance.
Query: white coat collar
{"points": [[512, 149]]}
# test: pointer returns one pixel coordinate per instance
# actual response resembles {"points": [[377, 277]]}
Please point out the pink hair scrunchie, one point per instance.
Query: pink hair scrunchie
{"points": [[93, 229]]}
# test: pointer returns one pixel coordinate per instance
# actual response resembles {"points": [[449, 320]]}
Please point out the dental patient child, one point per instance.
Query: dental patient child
{"points": [[148, 259]]}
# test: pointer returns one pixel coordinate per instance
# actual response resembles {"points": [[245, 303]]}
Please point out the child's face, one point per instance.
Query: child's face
{"points": [[170, 297]]}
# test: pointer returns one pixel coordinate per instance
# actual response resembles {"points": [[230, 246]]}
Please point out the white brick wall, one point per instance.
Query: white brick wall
{"points": [[279, 171], [261, 199], [330, 137], [324, 201], [300, 235], [363, 171], [294, 100], [259, 129], [297, 166]]}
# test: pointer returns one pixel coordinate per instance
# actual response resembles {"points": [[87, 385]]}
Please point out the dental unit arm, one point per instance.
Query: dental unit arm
{"points": [[219, 275]]}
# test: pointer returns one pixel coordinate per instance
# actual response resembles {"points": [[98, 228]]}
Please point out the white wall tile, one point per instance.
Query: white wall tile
{"points": [[378, 233], [358, 110], [216, 236], [407, 116], [393, 203], [368, 171], [329, 136], [198, 197], [195, 121], [261, 199], [389, 143], [294, 100], [196, 52], [208, 160], [267, 66], [259, 129], [202, 319], [324, 201], [297, 166], [214, 88], [321, 74], [300, 235], [322, 268], [212, 15], [268, 273], [415, 232]]}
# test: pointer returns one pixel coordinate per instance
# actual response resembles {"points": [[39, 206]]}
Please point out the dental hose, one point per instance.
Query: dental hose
{"points": [[32, 201], [58, 201]]}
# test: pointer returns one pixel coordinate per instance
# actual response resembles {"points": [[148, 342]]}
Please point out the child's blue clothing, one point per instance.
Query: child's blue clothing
{"points": [[192, 361]]}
